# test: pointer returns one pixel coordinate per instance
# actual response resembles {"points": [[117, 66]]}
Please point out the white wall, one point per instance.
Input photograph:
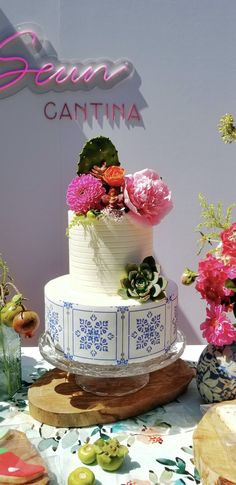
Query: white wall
{"points": [[185, 60]]}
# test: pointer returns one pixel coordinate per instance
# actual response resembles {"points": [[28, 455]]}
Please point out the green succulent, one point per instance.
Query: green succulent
{"points": [[143, 281], [97, 151]]}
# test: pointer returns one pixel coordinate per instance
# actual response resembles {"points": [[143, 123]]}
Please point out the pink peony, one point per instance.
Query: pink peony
{"points": [[228, 238], [84, 193], [217, 328], [212, 275], [147, 197]]}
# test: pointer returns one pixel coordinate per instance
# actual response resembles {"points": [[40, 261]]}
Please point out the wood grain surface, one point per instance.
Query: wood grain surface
{"points": [[56, 399], [215, 449]]}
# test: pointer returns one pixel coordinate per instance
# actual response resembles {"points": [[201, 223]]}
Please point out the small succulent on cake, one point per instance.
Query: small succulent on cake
{"points": [[143, 281], [216, 276], [102, 188]]}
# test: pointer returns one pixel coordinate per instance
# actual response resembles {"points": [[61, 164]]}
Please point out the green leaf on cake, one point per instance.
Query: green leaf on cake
{"points": [[97, 152]]}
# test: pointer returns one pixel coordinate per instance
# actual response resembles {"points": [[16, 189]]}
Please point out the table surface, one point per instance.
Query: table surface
{"points": [[159, 441]]}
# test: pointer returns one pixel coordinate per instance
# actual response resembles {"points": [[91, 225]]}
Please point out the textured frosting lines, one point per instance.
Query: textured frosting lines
{"points": [[99, 252]]}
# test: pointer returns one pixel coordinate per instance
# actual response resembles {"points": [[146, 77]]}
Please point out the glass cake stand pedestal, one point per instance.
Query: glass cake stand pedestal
{"points": [[74, 394], [110, 380]]}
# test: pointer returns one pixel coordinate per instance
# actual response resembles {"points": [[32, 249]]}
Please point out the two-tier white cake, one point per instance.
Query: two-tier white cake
{"points": [[86, 318]]}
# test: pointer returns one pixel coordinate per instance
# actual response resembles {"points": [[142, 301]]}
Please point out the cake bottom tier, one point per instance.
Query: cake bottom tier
{"points": [[118, 333]]}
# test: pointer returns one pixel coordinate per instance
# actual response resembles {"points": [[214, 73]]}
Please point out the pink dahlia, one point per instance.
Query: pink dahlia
{"points": [[217, 328], [228, 238], [84, 193], [147, 197], [212, 275]]}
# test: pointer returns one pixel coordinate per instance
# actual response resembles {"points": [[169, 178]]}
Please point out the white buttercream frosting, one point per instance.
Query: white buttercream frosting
{"points": [[99, 252], [86, 319]]}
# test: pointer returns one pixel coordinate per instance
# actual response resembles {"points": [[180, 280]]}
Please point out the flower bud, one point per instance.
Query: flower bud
{"points": [[188, 277]]}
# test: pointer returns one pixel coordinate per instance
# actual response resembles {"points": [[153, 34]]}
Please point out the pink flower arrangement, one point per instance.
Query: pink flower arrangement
{"points": [[215, 282], [228, 238], [212, 276], [84, 193], [101, 188], [218, 328], [216, 277], [147, 197]]}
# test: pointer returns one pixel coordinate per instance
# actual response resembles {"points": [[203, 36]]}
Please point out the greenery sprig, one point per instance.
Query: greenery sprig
{"points": [[227, 129], [212, 218]]}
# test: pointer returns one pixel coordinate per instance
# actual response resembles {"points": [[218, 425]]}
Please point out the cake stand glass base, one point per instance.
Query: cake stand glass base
{"points": [[121, 386], [110, 380]]}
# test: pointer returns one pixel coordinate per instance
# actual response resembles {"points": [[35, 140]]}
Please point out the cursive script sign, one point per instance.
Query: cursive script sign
{"points": [[26, 63]]}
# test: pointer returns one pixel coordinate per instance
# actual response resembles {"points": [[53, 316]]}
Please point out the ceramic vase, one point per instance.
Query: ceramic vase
{"points": [[10, 362], [216, 373]]}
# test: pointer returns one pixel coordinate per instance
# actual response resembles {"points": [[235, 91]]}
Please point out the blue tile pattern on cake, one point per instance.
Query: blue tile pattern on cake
{"points": [[146, 333], [52, 319], [93, 335], [67, 305], [122, 361], [170, 298]]}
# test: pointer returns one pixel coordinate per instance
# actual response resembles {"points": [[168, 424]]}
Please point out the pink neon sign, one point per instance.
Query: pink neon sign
{"points": [[16, 71]]}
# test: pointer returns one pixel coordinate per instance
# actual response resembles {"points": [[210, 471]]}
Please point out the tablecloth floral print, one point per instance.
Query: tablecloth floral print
{"points": [[159, 442]]}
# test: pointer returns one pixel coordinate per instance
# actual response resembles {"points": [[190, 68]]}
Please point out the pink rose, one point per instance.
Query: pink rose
{"points": [[147, 197]]}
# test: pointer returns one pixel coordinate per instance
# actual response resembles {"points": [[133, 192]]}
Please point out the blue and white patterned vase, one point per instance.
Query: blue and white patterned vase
{"points": [[216, 373]]}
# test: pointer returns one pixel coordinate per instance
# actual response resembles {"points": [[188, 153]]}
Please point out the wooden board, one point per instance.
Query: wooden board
{"points": [[215, 449], [55, 399]]}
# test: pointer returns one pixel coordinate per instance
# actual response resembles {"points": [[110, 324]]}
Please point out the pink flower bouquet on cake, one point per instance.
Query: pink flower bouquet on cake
{"points": [[101, 188], [147, 196], [216, 276]]}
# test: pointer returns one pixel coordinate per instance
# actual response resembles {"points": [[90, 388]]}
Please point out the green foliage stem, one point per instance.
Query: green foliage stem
{"points": [[227, 129], [212, 218]]}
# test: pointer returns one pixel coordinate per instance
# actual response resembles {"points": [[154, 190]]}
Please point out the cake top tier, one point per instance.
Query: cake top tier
{"points": [[110, 225], [101, 188]]}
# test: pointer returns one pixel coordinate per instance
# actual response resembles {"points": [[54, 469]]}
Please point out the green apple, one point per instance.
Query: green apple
{"points": [[81, 476], [87, 454]]}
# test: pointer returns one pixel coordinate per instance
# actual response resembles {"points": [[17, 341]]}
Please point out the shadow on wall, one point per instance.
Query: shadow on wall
{"points": [[187, 329], [39, 159], [29, 60]]}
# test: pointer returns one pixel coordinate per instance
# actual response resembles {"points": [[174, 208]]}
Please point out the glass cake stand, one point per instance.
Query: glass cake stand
{"points": [[110, 380]]}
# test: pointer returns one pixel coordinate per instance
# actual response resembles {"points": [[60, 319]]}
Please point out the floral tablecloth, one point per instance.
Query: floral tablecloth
{"points": [[159, 442]]}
